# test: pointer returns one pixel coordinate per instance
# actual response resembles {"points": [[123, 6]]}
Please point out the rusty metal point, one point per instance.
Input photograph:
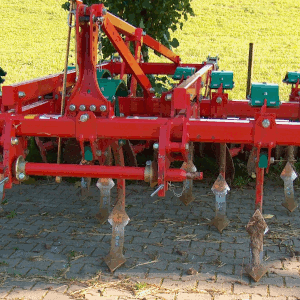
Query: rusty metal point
{"points": [[102, 215], [256, 273], [114, 261], [220, 222], [220, 186], [288, 172], [187, 198], [290, 205]]}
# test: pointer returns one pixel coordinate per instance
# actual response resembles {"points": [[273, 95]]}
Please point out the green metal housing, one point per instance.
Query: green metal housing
{"points": [[263, 160], [291, 77], [183, 71], [222, 77], [262, 91]]}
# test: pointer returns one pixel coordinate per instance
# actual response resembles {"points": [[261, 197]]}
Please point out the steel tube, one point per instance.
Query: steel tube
{"points": [[131, 173]]}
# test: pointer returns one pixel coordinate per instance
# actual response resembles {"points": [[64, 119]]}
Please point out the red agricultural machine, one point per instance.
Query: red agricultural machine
{"points": [[94, 115]]}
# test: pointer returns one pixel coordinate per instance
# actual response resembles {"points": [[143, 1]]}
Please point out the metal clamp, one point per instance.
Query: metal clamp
{"points": [[20, 169], [73, 12]]}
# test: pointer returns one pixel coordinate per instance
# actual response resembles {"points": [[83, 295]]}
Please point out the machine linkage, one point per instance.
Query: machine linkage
{"points": [[100, 116]]}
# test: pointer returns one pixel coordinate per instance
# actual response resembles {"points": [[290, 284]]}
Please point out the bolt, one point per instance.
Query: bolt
{"points": [[14, 141], [265, 123], [219, 100], [82, 107], [104, 11], [103, 108], [148, 163], [168, 97], [21, 176], [152, 90], [155, 146], [121, 143], [93, 107], [265, 94], [98, 152], [84, 118], [187, 146], [0, 94], [144, 33], [122, 115], [102, 89], [40, 97], [26, 152], [113, 98], [56, 97], [299, 93], [21, 94], [101, 19], [72, 107], [272, 160]]}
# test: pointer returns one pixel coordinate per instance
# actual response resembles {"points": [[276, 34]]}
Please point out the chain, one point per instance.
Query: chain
{"points": [[100, 43], [172, 188]]}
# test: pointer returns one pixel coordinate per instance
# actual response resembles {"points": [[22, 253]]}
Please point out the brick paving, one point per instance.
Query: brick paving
{"points": [[52, 247]]}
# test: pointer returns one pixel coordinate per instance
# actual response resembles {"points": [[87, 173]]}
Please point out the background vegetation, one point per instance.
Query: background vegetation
{"points": [[33, 38]]}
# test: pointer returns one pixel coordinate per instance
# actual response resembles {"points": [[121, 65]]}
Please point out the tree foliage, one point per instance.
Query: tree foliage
{"points": [[156, 17]]}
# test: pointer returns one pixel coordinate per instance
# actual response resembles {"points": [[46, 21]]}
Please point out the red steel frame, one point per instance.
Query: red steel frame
{"points": [[179, 116]]}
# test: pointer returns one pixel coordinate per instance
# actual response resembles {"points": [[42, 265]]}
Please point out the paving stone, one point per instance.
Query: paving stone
{"points": [[257, 297], [55, 295], [292, 282], [193, 296], [25, 294], [281, 291], [254, 289]]}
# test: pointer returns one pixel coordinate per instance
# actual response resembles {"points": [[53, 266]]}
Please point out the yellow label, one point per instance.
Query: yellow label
{"points": [[30, 116]]}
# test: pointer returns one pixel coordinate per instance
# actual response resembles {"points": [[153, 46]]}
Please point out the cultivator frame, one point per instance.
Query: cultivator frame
{"points": [[196, 110]]}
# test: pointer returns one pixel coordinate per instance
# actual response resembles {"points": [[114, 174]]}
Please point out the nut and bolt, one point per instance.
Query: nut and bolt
{"points": [[155, 146], [84, 118], [144, 33], [298, 93], [14, 141], [187, 146], [122, 115], [265, 123], [0, 94], [72, 107], [98, 152], [168, 97], [82, 107], [103, 108], [272, 160], [113, 98], [152, 90], [21, 176], [104, 11], [21, 94], [219, 100], [93, 107]]}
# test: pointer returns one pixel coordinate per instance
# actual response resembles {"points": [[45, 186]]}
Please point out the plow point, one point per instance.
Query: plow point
{"points": [[256, 273], [114, 261], [220, 222]]}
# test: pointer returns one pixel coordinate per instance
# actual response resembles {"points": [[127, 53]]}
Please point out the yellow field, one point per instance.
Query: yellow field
{"points": [[33, 38]]}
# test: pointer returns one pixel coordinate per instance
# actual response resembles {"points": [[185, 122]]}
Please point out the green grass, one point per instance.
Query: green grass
{"points": [[33, 38]]}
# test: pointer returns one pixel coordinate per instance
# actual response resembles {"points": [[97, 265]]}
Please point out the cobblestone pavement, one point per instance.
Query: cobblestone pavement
{"points": [[51, 246]]}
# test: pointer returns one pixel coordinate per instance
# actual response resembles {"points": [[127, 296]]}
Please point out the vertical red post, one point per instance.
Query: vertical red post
{"points": [[259, 188]]}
